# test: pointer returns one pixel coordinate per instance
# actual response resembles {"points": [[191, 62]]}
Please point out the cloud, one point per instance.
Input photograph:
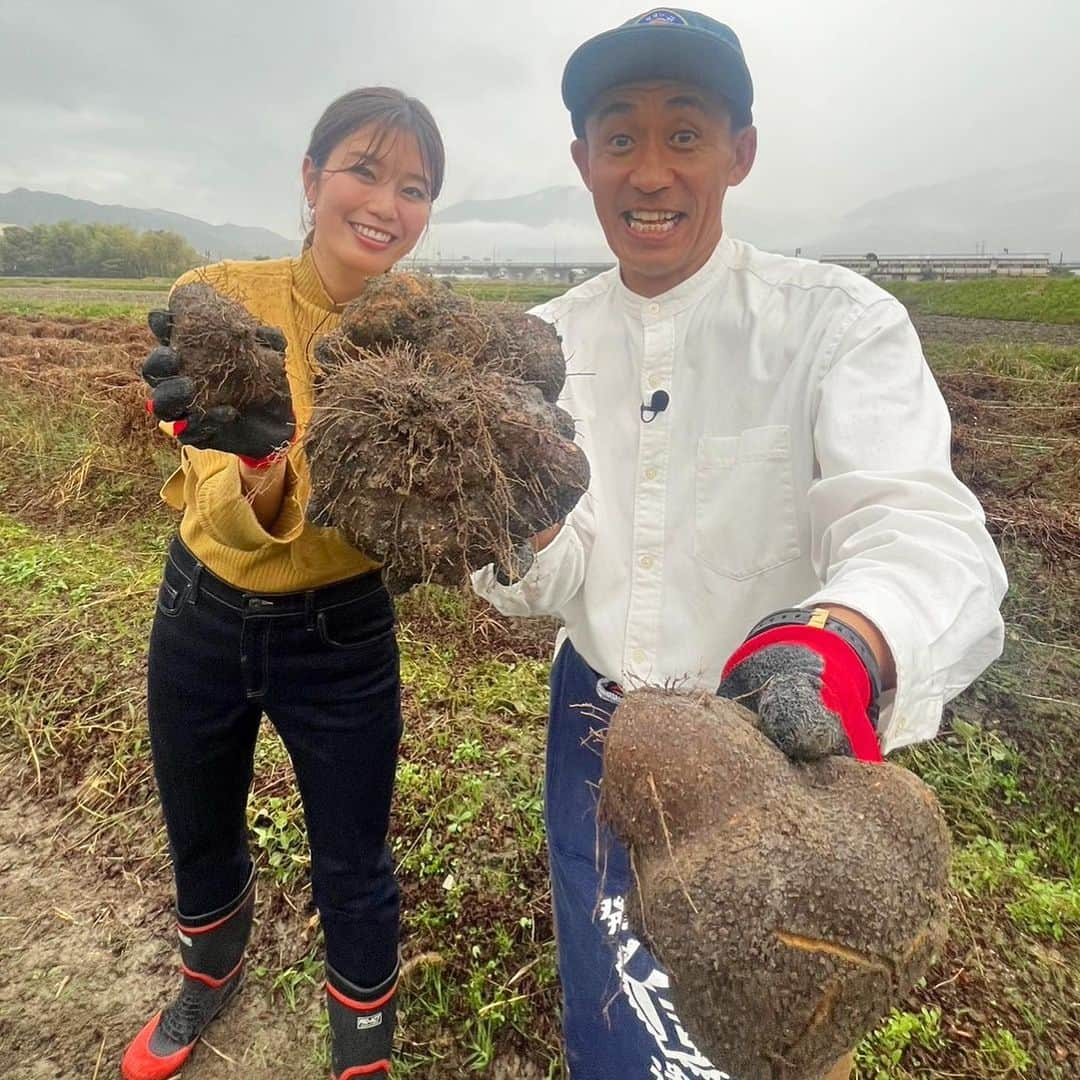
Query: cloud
{"points": [[205, 108]]}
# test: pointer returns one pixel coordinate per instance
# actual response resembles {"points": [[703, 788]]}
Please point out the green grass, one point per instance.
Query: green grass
{"points": [[515, 292], [1012, 360], [88, 298], [880, 1056], [1038, 905], [149, 284], [82, 298], [1047, 300], [1044, 300], [467, 830], [77, 309], [72, 631]]}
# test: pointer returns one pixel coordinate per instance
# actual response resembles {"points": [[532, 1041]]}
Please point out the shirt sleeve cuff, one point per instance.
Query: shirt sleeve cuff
{"points": [[172, 491], [912, 711], [223, 510], [289, 523], [528, 595]]}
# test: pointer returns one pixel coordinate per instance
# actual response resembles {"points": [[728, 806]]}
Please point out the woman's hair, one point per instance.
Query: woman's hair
{"points": [[391, 112]]}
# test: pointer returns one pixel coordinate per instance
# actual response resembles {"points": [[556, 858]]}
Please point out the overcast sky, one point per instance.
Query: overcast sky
{"points": [[206, 107]]}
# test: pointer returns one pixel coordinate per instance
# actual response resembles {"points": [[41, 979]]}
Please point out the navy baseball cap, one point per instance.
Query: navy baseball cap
{"points": [[665, 43]]}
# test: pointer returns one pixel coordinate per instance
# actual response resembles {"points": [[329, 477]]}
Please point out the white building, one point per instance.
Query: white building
{"points": [[943, 267]]}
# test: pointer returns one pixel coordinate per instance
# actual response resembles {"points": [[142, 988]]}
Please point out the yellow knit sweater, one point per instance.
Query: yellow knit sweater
{"points": [[219, 525]]}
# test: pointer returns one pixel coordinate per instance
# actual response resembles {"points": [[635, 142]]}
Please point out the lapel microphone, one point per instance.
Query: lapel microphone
{"points": [[655, 406]]}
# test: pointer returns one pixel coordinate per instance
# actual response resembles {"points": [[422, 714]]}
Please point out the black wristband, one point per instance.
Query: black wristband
{"points": [[819, 617]]}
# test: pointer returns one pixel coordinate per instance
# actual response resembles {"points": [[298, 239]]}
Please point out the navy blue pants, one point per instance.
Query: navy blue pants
{"points": [[323, 666], [618, 1020]]}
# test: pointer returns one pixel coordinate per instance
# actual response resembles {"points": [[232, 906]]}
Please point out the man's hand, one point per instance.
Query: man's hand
{"points": [[542, 539], [815, 691], [525, 554], [257, 435]]}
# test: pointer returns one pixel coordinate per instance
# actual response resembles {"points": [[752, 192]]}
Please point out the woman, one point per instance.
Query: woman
{"points": [[263, 611]]}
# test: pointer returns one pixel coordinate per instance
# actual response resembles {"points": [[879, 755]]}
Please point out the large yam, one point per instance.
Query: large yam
{"points": [[793, 905]]}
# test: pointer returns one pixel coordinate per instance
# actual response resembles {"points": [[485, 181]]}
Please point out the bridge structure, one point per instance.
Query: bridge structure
{"points": [[947, 267], [895, 267], [507, 269]]}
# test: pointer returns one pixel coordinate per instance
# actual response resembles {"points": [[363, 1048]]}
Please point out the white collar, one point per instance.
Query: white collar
{"points": [[685, 293]]}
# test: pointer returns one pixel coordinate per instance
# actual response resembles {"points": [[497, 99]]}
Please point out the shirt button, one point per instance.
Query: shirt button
{"points": [[650, 473], [645, 562], [654, 309], [639, 656]]}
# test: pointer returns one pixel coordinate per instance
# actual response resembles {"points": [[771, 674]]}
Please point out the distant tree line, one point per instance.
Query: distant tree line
{"points": [[70, 250]]}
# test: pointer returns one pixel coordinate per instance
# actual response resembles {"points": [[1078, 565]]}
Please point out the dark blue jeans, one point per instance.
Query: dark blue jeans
{"points": [[618, 1020], [323, 666]]}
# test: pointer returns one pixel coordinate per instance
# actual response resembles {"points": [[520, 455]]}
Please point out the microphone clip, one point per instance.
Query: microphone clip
{"points": [[651, 409]]}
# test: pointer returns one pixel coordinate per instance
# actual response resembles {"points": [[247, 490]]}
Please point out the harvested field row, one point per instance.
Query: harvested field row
{"points": [[84, 884], [963, 330]]}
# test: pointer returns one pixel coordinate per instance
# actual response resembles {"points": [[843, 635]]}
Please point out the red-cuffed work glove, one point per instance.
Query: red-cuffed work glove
{"points": [[813, 692], [257, 435]]}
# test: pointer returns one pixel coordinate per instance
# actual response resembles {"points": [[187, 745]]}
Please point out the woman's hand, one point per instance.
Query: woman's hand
{"points": [[257, 434]]}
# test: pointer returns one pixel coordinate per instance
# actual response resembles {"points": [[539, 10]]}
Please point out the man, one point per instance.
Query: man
{"points": [[772, 508]]}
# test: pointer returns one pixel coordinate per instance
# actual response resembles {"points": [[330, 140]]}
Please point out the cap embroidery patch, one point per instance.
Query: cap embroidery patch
{"points": [[662, 17]]}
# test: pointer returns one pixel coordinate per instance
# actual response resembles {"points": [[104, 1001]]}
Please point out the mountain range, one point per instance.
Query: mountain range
{"points": [[25, 207], [1031, 209], [1035, 208]]}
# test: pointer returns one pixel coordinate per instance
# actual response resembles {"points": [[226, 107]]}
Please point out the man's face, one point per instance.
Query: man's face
{"points": [[658, 158]]}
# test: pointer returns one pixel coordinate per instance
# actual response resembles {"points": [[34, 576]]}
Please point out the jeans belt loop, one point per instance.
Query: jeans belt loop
{"points": [[309, 609], [196, 574]]}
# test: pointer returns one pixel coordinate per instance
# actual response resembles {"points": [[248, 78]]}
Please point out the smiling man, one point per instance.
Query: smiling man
{"points": [[772, 510]]}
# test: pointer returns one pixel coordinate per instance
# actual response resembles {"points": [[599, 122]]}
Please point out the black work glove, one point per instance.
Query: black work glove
{"points": [[257, 434], [813, 693]]}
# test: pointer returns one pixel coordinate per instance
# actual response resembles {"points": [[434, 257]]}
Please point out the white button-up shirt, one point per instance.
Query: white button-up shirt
{"points": [[803, 458]]}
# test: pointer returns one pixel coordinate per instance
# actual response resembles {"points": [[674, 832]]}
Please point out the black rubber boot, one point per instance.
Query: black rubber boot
{"points": [[212, 963], [361, 1026]]}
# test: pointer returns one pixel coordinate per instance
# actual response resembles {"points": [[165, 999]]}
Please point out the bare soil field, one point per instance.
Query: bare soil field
{"points": [[964, 330]]}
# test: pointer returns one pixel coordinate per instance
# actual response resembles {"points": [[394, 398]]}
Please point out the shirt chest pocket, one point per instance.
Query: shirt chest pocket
{"points": [[744, 502]]}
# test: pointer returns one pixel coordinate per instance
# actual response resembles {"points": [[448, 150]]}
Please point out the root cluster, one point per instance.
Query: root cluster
{"points": [[435, 444], [216, 341]]}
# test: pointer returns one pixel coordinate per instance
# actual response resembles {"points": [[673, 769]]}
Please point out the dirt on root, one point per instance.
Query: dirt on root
{"points": [[220, 347], [435, 444]]}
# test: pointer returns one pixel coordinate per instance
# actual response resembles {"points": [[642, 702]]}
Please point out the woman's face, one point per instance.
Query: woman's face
{"points": [[371, 202]]}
